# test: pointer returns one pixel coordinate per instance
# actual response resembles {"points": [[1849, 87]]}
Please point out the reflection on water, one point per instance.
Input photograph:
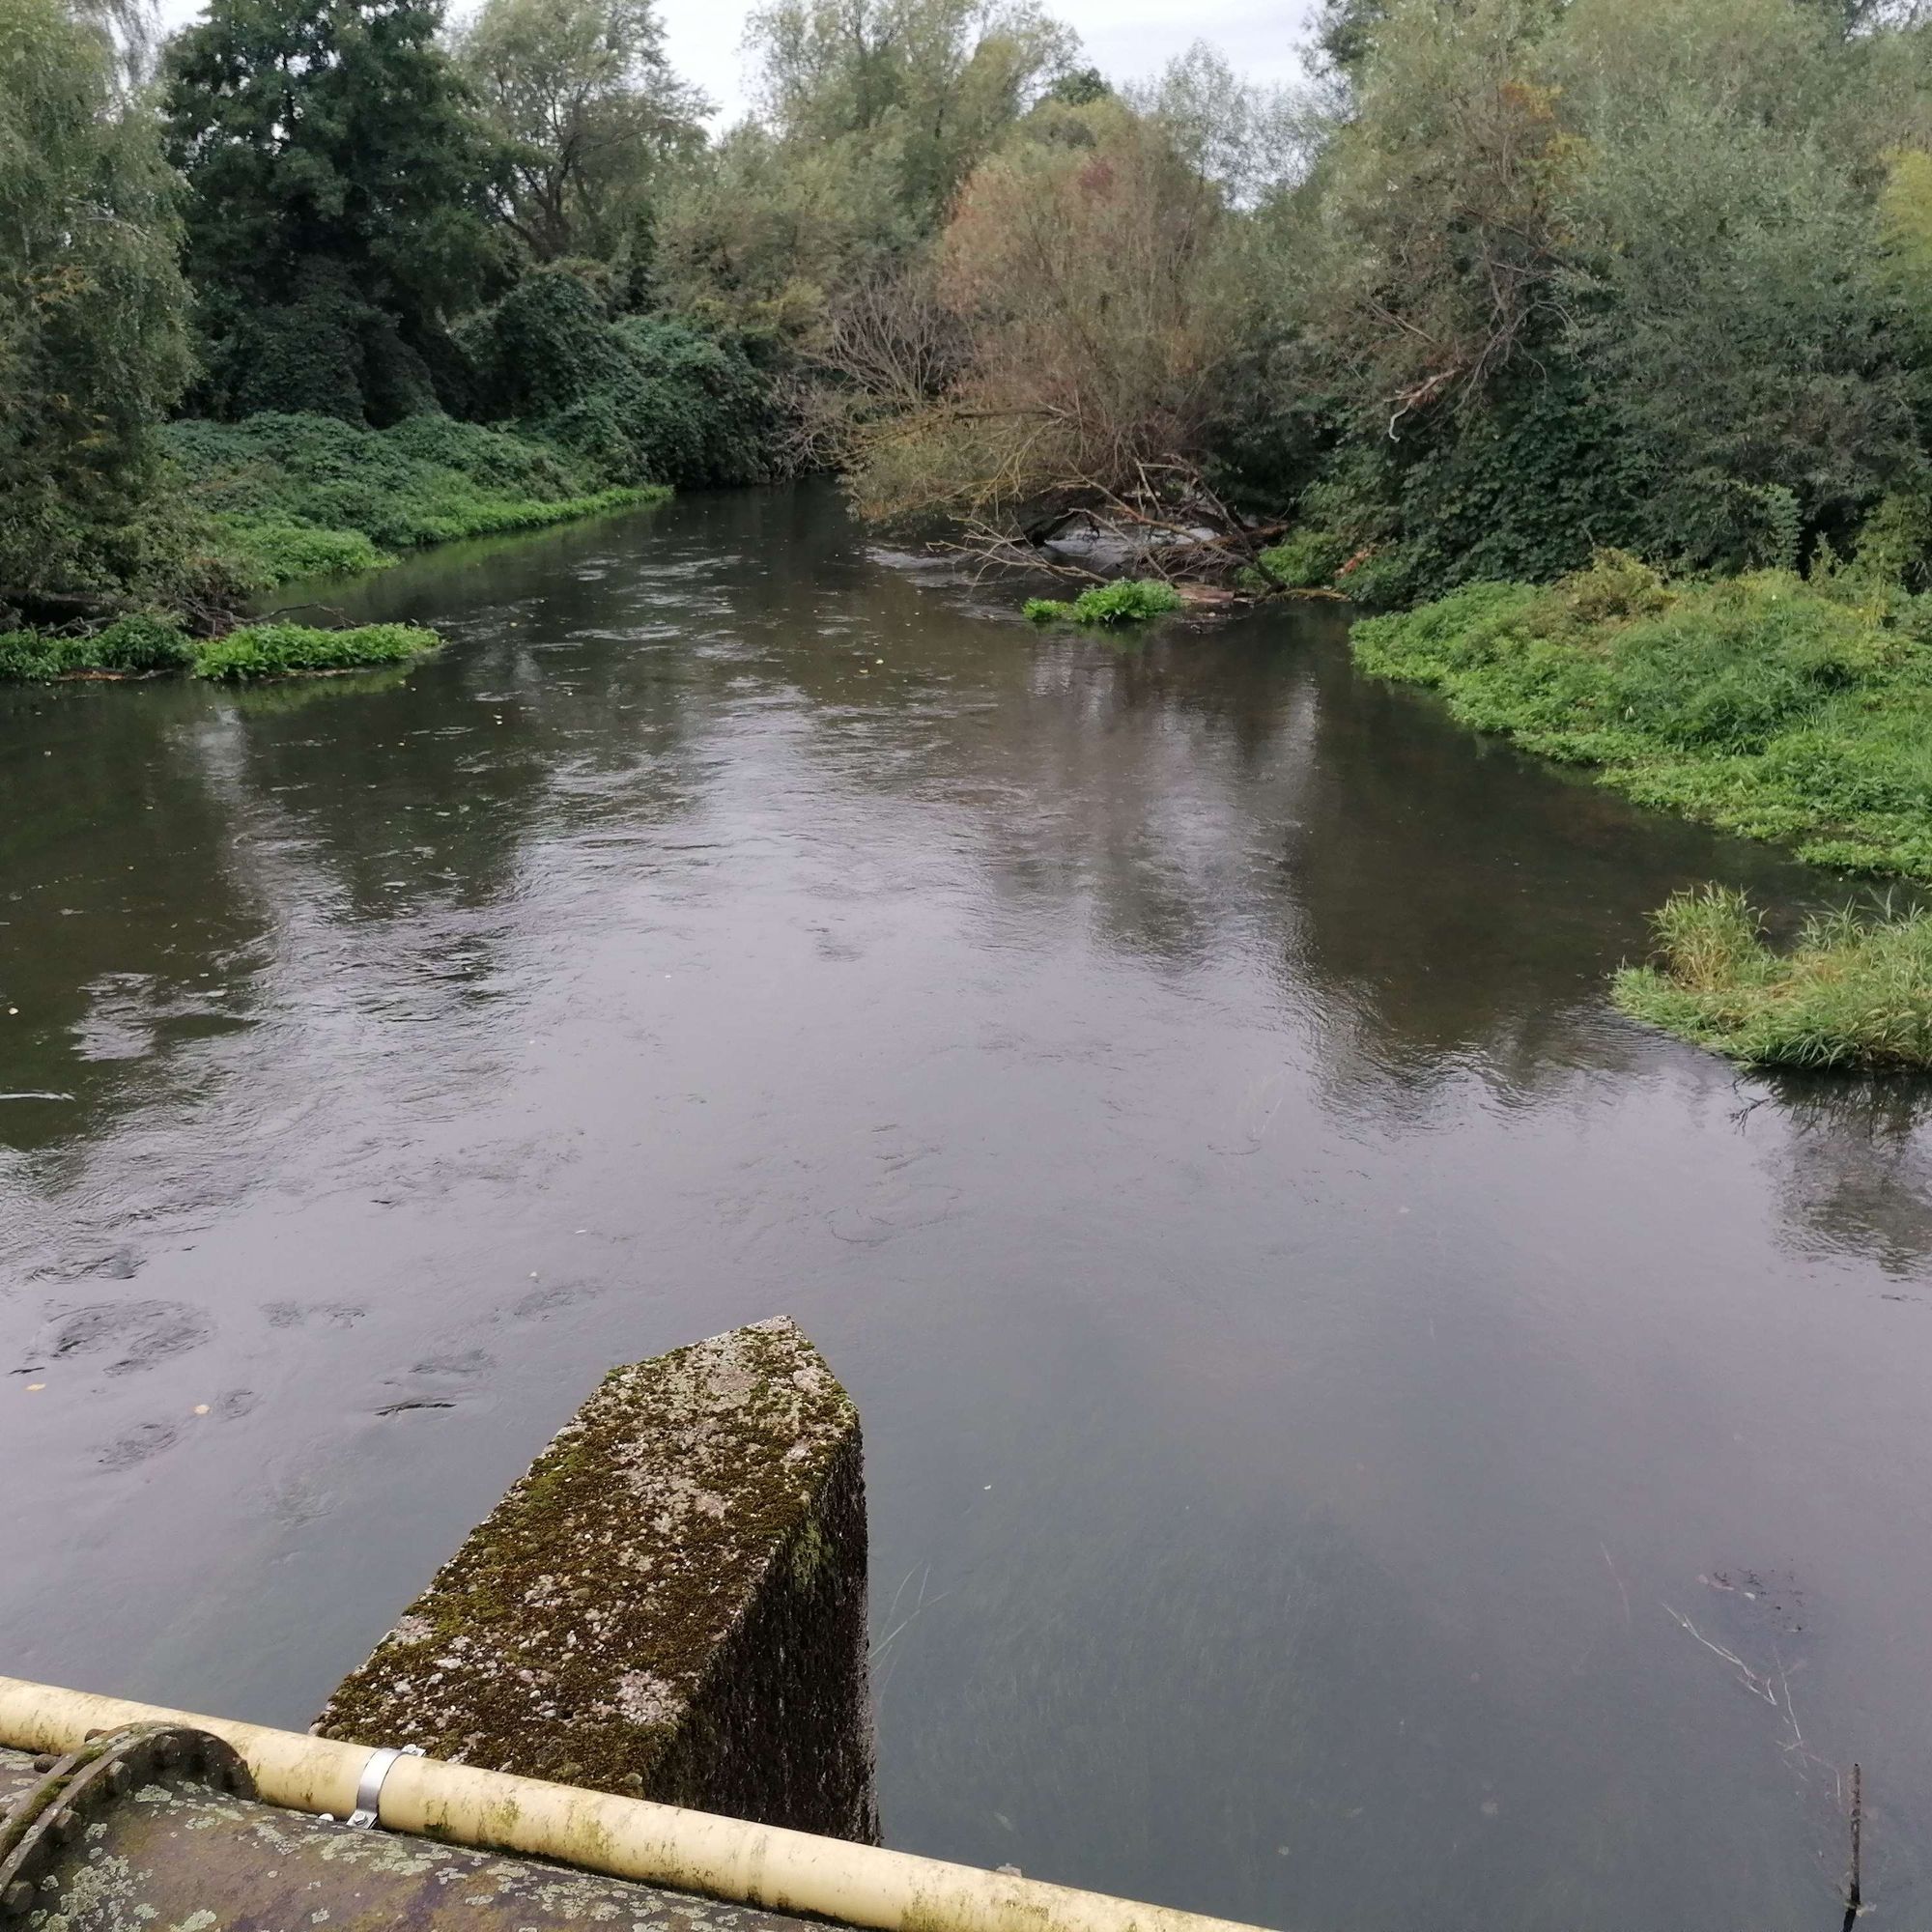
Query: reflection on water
{"points": [[1360, 1436]]}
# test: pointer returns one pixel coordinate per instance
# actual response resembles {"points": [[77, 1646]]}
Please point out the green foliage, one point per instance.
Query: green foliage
{"points": [[1855, 992], [1307, 559], [637, 400], [934, 82], [1133, 600], [588, 112], [269, 554], [298, 496], [1895, 543], [337, 173], [138, 646], [283, 650], [93, 343], [1644, 273], [131, 646], [1769, 706]]}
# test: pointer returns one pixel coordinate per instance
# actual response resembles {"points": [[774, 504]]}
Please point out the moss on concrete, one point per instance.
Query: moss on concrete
{"points": [[174, 1854], [670, 1603]]}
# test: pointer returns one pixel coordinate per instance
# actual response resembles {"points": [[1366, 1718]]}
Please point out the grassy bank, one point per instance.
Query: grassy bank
{"points": [[150, 647], [288, 496], [1855, 992], [1771, 705]]}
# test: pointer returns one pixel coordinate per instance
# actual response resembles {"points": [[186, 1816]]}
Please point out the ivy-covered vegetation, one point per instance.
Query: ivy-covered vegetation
{"points": [[287, 497], [325, 283], [1855, 991]]}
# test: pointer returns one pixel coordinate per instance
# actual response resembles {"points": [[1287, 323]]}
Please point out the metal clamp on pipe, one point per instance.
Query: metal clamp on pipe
{"points": [[369, 1786]]}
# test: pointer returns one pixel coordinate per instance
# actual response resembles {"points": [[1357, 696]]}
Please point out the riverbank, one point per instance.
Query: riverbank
{"points": [[288, 496], [278, 499], [1772, 706], [138, 647], [1854, 992]]}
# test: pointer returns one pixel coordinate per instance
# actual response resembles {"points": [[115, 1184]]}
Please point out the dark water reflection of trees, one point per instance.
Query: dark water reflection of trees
{"points": [[1437, 915]]}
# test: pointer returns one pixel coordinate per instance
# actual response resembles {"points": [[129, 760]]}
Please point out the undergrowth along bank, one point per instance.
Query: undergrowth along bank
{"points": [[288, 496], [152, 647], [1855, 992], [1772, 706]]}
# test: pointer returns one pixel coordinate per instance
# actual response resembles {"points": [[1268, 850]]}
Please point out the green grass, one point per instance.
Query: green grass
{"points": [[1855, 992], [286, 650], [129, 647], [1767, 704], [1131, 601], [299, 495], [145, 647]]}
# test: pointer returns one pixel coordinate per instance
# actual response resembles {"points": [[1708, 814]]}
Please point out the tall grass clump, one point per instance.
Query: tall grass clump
{"points": [[1770, 704], [1855, 992], [1133, 600]]}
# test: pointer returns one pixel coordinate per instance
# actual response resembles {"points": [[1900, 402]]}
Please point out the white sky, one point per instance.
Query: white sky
{"points": [[1127, 40]]}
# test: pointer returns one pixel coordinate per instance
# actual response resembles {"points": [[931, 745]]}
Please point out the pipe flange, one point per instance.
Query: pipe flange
{"points": [[40, 1825]]}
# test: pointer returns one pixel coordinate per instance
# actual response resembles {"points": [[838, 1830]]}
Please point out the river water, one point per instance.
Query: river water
{"points": [[1360, 1435]]}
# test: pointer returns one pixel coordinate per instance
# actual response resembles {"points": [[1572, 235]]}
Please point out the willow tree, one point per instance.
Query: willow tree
{"points": [[936, 83], [1087, 272], [589, 114], [93, 337]]}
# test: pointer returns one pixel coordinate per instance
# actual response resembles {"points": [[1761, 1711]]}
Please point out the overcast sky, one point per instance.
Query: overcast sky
{"points": [[1127, 40]]}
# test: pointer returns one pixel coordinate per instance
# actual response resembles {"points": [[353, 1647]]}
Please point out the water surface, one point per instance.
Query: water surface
{"points": [[1360, 1435]]}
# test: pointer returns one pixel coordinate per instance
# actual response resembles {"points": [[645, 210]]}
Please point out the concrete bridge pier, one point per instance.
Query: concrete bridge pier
{"points": [[670, 1604]]}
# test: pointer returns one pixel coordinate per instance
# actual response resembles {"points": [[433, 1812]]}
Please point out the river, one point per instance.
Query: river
{"points": [[1360, 1435]]}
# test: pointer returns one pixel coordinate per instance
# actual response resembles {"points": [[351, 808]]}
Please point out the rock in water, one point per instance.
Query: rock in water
{"points": [[670, 1603]]}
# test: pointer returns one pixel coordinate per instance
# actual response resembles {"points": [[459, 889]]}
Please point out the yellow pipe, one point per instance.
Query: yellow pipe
{"points": [[622, 1837]]}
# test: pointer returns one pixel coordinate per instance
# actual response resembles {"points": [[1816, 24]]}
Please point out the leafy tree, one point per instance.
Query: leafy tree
{"points": [[93, 341], [1087, 264], [763, 237], [1727, 292], [1079, 87], [1443, 227], [337, 173], [939, 80], [1249, 141], [1344, 35], [588, 111]]}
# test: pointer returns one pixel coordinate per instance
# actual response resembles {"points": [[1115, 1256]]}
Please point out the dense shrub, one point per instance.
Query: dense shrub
{"points": [[1131, 601], [324, 352], [686, 408], [1856, 991], [634, 400], [1770, 705], [280, 650]]}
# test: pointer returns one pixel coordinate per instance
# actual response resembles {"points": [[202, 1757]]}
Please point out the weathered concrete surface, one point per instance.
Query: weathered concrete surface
{"points": [[170, 1851], [670, 1604]]}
